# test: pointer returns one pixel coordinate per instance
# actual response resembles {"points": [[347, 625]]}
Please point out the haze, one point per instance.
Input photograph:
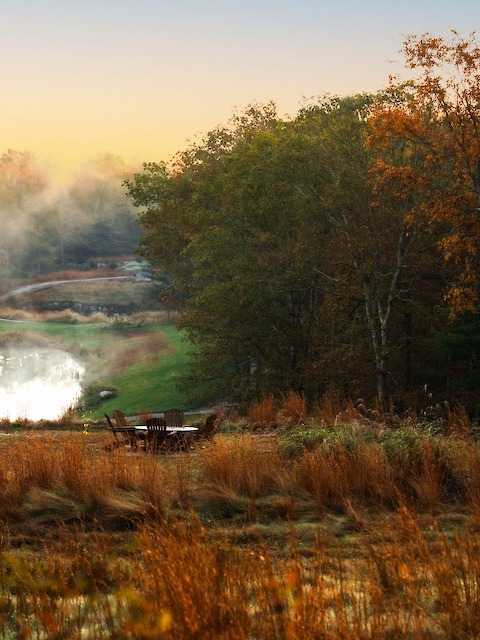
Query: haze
{"points": [[140, 78]]}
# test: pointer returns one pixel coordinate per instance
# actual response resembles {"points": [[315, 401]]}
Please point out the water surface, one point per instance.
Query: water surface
{"points": [[38, 383]]}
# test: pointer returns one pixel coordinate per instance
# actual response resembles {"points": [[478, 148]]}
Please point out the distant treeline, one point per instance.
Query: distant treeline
{"points": [[337, 251], [44, 229]]}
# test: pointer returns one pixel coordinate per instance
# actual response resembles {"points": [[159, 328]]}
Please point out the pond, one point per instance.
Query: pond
{"points": [[38, 382]]}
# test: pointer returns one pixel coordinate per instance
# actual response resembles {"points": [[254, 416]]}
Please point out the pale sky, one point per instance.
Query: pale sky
{"points": [[139, 78]]}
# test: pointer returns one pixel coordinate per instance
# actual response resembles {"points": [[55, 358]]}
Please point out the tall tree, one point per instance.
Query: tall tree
{"points": [[442, 118]]}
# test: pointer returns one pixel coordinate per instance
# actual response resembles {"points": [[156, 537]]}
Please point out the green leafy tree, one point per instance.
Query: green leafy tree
{"points": [[296, 252]]}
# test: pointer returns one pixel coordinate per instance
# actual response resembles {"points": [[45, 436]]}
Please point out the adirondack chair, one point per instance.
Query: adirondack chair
{"points": [[125, 436], [174, 418], [156, 434], [129, 435], [210, 426]]}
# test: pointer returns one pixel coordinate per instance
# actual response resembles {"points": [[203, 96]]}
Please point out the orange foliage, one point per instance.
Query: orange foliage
{"points": [[437, 120]]}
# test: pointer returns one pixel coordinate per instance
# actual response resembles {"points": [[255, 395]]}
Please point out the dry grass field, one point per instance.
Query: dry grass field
{"points": [[343, 524]]}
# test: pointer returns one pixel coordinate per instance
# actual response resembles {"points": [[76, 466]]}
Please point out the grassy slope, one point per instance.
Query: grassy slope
{"points": [[147, 388], [144, 384]]}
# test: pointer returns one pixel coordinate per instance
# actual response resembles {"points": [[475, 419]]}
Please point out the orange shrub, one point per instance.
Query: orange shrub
{"points": [[293, 408], [263, 414]]}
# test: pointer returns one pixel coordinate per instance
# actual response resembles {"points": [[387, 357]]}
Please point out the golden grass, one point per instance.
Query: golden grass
{"points": [[68, 316], [263, 414], [426, 475], [179, 581], [293, 408], [358, 537]]}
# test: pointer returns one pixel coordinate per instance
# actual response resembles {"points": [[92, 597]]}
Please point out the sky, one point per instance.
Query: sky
{"points": [[143, 78]]}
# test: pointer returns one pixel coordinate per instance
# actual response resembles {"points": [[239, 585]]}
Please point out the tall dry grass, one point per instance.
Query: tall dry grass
{"points": [[263, 414], [173, 578], [293, 408], [408, 468], [68, 316], [331, 411], [338, 476], [229, 468], [180, 581]]}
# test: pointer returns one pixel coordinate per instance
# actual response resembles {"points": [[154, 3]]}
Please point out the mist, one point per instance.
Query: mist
{"points": [[38, 382], [45, 227]]}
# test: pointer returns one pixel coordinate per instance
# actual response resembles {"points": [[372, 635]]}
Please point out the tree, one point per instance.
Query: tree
{"points": [[279, 233], [22, 182], [442, 118], [101, 220], [231, 223], [379, 251], [255, 315]]}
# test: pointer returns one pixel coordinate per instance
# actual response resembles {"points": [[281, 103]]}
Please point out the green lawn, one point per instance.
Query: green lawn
{"points": [[140, 362], [151, 386]]}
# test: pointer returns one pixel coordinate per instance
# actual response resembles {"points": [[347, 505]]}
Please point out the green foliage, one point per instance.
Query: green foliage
{"points": [[294, 441], [91, 399], [298, 248]]}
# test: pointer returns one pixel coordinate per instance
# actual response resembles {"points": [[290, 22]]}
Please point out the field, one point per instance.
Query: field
{"points": [[291, 523], [138, 295], [351, 525]]}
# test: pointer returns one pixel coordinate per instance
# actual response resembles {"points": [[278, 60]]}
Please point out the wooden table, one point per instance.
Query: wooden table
{"points": [[185, 429], [141, 431]]}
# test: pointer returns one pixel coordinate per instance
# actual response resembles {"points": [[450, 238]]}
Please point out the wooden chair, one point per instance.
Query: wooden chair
{"points": [[156, 434], [129, 436], [174, 418], [117, 442], [120, 418], [210, 426]]}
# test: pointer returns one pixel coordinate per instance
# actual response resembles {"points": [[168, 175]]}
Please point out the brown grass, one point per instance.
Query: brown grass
{"points": [[293, 409], [263, 414], [333, 412], [179, 581], [234, 540], [72, 317]]}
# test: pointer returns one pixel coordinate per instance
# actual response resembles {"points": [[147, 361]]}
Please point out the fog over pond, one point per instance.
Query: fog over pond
{"points": [[38, 382]]}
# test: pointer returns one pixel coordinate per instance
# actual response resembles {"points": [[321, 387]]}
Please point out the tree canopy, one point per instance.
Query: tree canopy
{"points": [[324, 252]]}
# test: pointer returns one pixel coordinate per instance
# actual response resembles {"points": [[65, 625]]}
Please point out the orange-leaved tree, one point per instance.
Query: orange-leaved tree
{"points": [[439, 118]]}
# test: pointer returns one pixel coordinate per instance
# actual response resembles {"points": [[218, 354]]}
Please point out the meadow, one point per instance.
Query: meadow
{"points": [[339, 522], [292, 522]]}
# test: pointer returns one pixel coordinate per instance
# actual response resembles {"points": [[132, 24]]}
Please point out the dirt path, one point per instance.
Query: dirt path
{"points": [[46, 285]]}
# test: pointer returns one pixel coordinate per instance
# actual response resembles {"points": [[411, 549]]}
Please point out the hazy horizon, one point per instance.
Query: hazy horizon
{"points": [[141, 79]]}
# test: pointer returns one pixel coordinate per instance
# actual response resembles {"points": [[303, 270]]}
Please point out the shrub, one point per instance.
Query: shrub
{"points": [[91, 399], [295, 441]]}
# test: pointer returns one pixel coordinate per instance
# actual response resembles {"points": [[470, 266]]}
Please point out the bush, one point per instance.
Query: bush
{"points": [[91, 400], [295, 441]]}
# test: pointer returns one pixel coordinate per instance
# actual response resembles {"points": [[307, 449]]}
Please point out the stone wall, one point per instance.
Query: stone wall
{"points": [[85, 309]]}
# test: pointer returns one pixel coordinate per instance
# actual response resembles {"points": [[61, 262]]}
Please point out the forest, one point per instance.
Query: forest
{"points": [[335, 252], [44, 228]]}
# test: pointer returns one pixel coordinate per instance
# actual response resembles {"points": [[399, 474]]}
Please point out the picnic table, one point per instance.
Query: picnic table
{"points": [[176, 434], [183, 429]]}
